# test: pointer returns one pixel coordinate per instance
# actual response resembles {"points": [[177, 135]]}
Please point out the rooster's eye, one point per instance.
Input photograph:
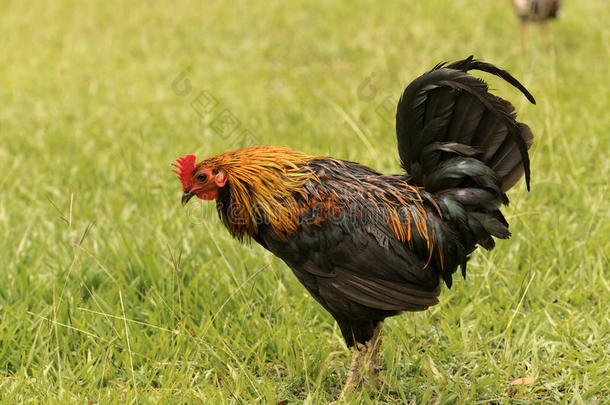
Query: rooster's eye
{"points": [[202, 177]]}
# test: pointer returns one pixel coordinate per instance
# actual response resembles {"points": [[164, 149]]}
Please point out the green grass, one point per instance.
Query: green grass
{"points": [[96, 308]]}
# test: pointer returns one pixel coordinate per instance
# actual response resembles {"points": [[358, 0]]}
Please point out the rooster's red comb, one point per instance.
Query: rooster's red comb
{"points": [[184, 169]]}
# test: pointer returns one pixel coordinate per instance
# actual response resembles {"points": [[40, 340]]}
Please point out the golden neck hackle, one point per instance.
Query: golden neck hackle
{"points": [[263, 181]]}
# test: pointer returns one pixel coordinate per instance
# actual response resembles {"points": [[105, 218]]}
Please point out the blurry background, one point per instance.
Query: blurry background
{"points": [[111, 291]]}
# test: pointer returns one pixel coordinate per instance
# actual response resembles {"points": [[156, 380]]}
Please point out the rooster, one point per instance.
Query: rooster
{"points": [[366, 245], [538, 11]]}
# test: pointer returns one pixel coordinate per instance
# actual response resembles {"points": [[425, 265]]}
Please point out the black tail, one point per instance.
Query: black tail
{"points": [[464, 145]]}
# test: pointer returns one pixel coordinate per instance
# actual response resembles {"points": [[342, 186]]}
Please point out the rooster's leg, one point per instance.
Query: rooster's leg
{"points": [[353, 375], [524, 36], [545, 32], [368, 353], [374, 354]]}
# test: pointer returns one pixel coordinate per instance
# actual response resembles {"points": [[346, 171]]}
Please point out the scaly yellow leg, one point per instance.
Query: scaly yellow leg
{"points": [[374, 354], [353, 375], [524, 36], [368, 353], [545, 32]]}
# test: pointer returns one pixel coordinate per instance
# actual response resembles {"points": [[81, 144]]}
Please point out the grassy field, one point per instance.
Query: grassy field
{"points": [[111, 292]]}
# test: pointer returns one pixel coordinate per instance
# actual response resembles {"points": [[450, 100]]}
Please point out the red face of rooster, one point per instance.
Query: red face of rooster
{"points": [[201, 181]]}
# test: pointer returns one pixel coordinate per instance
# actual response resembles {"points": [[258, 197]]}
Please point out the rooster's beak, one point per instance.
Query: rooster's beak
{"points": [[188, 194]]}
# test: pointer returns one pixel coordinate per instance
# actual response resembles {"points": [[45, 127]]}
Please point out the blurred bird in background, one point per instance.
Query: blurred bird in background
{"points": [[366, 245], [537, 11]]}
